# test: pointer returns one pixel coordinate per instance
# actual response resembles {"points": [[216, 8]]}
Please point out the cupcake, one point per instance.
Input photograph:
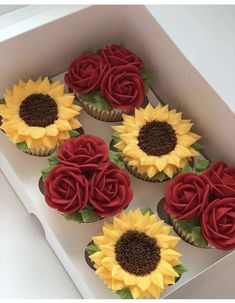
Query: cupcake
{"points": [[155, 143], [108, 82], [202, 206], [38, 116], [136, 255], [82, 184]]}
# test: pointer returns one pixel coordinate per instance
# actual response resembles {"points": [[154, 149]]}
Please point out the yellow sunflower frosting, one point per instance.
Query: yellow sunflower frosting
{"points": [[156, 140], [136, 252], [39, 113]]}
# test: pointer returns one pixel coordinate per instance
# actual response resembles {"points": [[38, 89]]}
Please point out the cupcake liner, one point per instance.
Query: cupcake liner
{"points": [[144, 177], [40, 152], [187, 237], [115, 115], [89, 262]]}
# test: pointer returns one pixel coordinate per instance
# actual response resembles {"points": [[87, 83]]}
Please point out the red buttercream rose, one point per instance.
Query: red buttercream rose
{"points": [[85, 73], [110, 190], [186, 196], [116, 55], [221, 178], [218, 223], [85, 151], [66, 189], [123, 87]]}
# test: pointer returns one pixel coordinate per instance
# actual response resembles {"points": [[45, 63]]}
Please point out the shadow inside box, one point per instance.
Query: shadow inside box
{"points": [[162, 213]]}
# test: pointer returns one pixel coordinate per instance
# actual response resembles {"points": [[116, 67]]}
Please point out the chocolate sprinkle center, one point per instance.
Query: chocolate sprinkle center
{"points": [[157, 138], [38, 110], [137, 253]]}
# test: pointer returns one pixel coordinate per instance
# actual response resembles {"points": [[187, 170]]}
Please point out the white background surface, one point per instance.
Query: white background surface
{"points": [[28, 267]]}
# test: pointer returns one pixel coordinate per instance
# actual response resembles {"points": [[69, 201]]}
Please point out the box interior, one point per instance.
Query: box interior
{"points": [[48, 50]]}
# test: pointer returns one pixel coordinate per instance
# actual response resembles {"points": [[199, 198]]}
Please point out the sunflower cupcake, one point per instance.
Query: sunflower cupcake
{"points": [[38, 116], [108, 82], [135, 255], [155, 143]]}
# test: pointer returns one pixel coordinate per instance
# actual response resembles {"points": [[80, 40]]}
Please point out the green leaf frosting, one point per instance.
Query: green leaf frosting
{"points": [[116, 158], [52, 159], [74, 217], [2, 101], [95, 98], [201, 165], [187, 225], [116, 137], [198, 237], [197, 146], [73, 133], [160, 176], [180, 269], [192, 227], [146, 210], [146, 75], [45, 172], [88, 215], [125, 293], [22, 146], [187, 168], [92, 248], [85, 215]]}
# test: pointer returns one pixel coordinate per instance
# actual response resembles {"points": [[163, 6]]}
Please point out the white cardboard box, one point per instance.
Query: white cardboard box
{"points": [[47, 50]]}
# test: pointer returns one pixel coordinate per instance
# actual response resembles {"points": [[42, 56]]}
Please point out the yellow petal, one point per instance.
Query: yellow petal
{"points": [[143, 282], [169, 170], [182, 151], [157, 279], [49, 142], [166, 269], [161, 113], [63, 135], [51, 130], [55, 84], [44, 86], [74, 123], [183, 128], [66, 100], [185, 140], [66, 113], [37, 132], [154, 291], [30, 87], [55, 92], [62, 124]]}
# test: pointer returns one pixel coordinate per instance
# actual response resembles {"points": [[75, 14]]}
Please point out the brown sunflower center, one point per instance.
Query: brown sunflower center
{"points": [[137, 253], [157, 138], [38, 110]]}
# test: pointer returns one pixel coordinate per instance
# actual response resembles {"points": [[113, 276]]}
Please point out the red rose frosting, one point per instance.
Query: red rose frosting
{"points": [[110, 190], [85, 151], [85, 73], [66, 189], [221, 179], [116, 55], [218, 223], [186, 196], [123, 87]]}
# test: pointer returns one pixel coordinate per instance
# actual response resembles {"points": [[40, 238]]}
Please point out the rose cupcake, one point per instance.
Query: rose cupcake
{"points": [[136, 255], [109, 82], [202, 206], [155, 143], [38, 116], [81, 182]]}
